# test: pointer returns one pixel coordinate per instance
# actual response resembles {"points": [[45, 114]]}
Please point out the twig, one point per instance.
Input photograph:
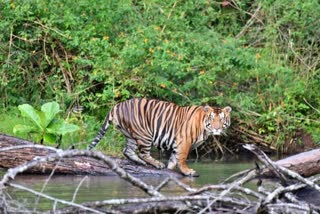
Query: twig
{"points": [[182, 95], [289, 207], [235, 5], [52, 29], [267, 161], [256, 137], [224, 187], [280, 171], [290, 45], [168, 17], [298, 177], [287, 191], [249, 23], [218, 144], [162, 199], [233, 185], [10, 45], [64, 73], [3, 204], [162, 184], [77, 189], [54, 199], [236, 175], [283, 173], [317, 110], [45, 55], [46, 183], [183, 185]]}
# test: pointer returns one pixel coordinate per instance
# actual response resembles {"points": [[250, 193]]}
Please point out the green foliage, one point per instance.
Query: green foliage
{"points": [[9, 118], [45, 124], [189, 52]]}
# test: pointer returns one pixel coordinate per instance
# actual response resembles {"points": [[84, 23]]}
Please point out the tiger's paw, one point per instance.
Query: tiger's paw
{"points": [[171, 166], [191, 173], [153, 162], [160, 165]]}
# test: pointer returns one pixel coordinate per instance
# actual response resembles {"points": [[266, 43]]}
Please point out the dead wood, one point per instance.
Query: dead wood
{"points": [[15, 152], [305, 163], [230, 197], [291, 184]]}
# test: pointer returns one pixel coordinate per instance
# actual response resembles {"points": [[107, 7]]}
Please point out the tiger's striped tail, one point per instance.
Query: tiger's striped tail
{"points": [[101, 133]]}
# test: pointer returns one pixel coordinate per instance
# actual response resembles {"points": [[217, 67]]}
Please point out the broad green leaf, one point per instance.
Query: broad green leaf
{"points": [[43, 119], [61, 127], [50, 110], [68, 128], [29, 112], [54, 126], [49, 138], [25, 129]]}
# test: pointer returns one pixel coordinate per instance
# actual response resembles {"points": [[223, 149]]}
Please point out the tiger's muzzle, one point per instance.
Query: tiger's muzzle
{"points": [[216, 131]]}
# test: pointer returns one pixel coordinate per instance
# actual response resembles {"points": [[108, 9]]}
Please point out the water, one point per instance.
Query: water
{"points": [[95, 188]]}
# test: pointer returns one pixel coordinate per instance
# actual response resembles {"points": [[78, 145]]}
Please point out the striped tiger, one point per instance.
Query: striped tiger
{"points": [[165, 125]]}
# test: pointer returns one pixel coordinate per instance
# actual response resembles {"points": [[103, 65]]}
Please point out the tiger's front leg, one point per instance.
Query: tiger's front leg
{"points": [[144, 154], [182, 155]]}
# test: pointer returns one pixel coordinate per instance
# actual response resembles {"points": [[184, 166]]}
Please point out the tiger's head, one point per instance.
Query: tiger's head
{"points": [[217, 119]]}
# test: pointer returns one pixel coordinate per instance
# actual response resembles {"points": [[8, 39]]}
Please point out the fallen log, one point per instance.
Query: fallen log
{"points": [[15, 152], [306, 163]]}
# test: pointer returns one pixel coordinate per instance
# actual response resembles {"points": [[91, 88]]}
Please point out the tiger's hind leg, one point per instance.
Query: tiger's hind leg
{"points": [[172, 161], [130, 151], [144, 154]]}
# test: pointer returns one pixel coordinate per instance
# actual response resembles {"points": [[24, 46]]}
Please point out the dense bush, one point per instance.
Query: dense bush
{"points": [[260, 57]]}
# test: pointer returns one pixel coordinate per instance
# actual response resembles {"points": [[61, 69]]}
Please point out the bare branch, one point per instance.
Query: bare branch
{"points": [[249, 22], [267, 161]]}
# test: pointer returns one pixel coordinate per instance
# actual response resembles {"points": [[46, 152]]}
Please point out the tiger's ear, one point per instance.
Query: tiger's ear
{"points": [[228, 109], [206, 108]]}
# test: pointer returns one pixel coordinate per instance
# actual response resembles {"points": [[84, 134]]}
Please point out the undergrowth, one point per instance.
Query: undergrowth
{"points": [[260, 57]]}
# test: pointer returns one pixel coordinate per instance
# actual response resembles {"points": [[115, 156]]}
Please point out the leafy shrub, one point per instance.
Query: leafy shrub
{"points": [[188, 52], [45, 125]]}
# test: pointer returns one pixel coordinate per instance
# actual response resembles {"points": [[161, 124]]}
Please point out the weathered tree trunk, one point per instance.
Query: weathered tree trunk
{"points": [[15, 152], [306, 163]]}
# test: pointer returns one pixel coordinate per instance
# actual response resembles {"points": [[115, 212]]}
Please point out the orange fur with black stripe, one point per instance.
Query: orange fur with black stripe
{"points": [[165, 125]]}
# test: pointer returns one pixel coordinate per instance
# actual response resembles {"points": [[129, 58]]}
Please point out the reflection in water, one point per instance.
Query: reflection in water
{"points": [[216, 172], [95, 188]]}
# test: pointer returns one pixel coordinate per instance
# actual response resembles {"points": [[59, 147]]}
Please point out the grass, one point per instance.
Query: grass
{"points": [[9, 118]]}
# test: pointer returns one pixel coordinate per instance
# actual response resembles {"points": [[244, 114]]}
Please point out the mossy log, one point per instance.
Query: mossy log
{"points": [[15, 151]]}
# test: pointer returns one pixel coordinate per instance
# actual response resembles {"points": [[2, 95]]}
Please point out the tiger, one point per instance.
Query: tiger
{"points": [[165, 125]]}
